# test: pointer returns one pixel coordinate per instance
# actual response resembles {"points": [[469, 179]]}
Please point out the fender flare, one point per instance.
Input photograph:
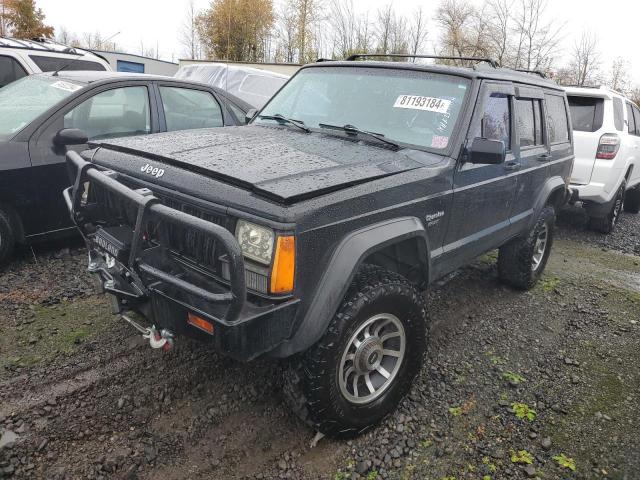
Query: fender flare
{"points": [[551, 186], [342, 267]]}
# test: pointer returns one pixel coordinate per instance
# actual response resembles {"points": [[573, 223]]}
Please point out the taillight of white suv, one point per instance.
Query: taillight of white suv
{"points": [[608, 146]]}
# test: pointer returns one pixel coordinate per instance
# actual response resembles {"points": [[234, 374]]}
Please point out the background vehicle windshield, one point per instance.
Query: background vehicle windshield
{"points": [[411, 107], [22, 101]]}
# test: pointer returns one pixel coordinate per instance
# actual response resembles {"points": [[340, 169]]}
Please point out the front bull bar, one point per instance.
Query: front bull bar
{"points": [[146, 205]]}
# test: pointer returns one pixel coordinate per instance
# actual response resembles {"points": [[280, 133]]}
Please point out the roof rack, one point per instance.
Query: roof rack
{"points": [[37, 44], [356, 56], [535, 72]]}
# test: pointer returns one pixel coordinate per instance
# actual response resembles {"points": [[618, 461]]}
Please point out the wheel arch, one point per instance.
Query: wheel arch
{"points": [[372, 244], [554, 193]]}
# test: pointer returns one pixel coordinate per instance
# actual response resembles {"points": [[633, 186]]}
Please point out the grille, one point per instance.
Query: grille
{"points": [[186, 242]]}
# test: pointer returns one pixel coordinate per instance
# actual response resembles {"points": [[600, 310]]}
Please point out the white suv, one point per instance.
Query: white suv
{"points": [[19, 58], [606, 172]]}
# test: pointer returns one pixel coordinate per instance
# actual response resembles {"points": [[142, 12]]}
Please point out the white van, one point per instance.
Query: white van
{"points": [[19, 58], [606, 172]]}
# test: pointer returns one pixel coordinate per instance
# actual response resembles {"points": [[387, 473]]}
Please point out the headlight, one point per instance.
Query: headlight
{"points": [[255, 241]]}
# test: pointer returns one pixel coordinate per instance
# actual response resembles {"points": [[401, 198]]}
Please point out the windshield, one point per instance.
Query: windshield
{"points": [[408, 107], [22, 101]]}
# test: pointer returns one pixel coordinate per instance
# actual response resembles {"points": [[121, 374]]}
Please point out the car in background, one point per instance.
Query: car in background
{"points": [[19, 58], [39, 113], [252, 85], [606, 172]]}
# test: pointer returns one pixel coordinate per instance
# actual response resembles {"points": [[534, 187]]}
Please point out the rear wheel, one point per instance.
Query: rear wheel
{"points": [[632, 200], [7, 237], [522, 260], [607, 223], [366, 361]]}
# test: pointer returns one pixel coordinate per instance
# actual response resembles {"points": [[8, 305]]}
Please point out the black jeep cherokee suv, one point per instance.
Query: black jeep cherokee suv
{"points": [[311, 232]]}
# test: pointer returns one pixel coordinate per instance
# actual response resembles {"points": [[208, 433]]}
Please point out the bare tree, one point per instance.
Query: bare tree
{"points": [[307, 17], [4, 20], [500, 26], [418, 31], [189, 38], [383, 27], [537, 38], [585, 62], [344, 25], [619, 76], [286, 34]]}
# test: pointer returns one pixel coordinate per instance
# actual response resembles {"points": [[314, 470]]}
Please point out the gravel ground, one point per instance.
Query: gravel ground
{"points": [[81, 397]]}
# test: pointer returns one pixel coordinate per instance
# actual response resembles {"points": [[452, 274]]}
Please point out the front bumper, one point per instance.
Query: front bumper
{"points": [[146, 278]]}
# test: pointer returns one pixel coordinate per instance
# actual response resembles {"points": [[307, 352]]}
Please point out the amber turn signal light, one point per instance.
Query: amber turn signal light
{"points": [[284, 263], [200, 323]]}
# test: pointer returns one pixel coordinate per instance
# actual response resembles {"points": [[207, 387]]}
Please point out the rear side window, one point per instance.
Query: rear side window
{"points": [[636, 114], [618, 114], [587, 113], [529, 121], [630, 120], [496, 122], [186, 109], [557, 119], [53, 64], [10, 70]]}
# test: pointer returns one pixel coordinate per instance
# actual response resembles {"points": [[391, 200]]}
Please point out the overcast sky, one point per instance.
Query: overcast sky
{"points": [[154, 22]]}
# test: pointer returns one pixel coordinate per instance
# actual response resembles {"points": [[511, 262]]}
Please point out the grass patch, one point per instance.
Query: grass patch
{"points": [[45, 331]]}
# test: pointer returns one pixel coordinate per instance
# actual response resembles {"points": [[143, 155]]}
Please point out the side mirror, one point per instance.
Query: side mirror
{"points": [[250, 115], [485, 151], [70, 136]]}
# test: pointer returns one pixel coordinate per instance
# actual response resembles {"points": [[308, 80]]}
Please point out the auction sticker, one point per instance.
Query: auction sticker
{"points": [[69, 87], [418, 102]]}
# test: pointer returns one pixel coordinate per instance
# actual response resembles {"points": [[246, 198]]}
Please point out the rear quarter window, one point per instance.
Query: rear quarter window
{"points": [[618, 114], [52, 64], [587, 113], [557, 119]]}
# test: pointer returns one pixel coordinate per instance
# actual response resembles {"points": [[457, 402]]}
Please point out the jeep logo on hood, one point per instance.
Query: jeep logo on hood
{"points": [[151, 170]]}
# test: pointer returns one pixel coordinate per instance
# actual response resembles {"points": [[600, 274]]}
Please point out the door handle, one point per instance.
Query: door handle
{"points": [[544, 157], [512, 165]]}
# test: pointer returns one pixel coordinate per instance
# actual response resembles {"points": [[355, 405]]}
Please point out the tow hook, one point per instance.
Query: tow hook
{"points": [[163, 339]]}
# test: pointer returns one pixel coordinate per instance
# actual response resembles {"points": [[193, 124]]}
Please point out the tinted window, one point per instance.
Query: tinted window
{"points": [[10, 70], [526, 122], [630, 119], [587, 113], [119, 112], [537, 113], [185, 109], [557, 120], [241, 115], [636, 114], [496, 122], [618, 114], [52, 64]]}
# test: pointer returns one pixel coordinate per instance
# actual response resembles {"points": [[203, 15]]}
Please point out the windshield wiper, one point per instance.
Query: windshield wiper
{"points": [[353, 130], [281, 118]]}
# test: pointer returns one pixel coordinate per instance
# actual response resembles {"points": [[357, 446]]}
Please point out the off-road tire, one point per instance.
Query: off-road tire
{"points": [[7, 237], [632, 200], [311, 383], [607, 223], [516, 258]]}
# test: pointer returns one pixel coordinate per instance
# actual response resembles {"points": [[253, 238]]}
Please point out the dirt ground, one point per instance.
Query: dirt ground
{"points": [[543, 384]]}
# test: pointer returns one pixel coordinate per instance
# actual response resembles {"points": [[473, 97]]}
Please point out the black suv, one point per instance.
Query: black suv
{"points": [[311, 232]]}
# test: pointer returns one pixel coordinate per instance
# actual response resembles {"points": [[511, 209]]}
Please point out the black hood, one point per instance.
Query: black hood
{"points": [[275, 162]]}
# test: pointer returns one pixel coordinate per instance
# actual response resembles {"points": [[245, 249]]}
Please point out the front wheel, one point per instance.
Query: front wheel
{"points": [[522, 260], [365, 363]]}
